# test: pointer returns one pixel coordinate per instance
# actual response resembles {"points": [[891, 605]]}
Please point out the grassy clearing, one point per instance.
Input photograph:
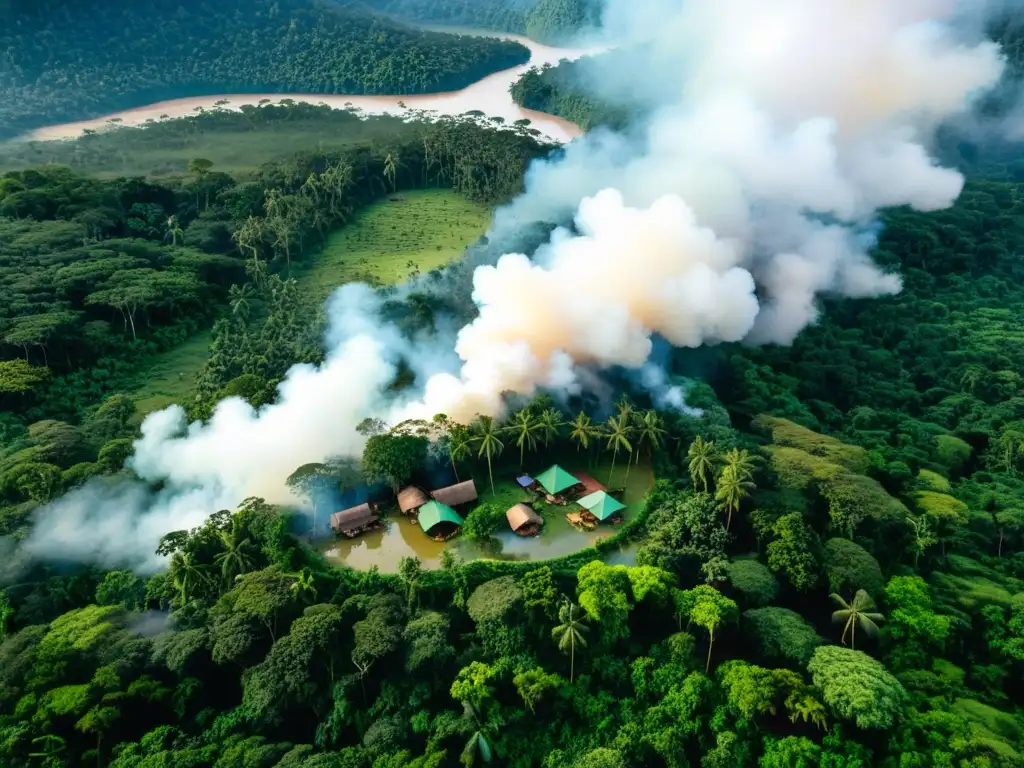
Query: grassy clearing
{"points": [[170, 377], [394, 238]]}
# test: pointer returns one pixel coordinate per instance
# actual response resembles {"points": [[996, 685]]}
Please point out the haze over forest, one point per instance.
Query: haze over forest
{"points": [[339, 439]]}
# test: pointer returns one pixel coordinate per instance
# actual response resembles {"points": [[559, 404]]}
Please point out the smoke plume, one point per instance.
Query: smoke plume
{"points": [[774, 132]]}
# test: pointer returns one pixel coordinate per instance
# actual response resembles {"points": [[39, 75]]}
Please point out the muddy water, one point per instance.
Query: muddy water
{"points": [[489, 95], [403, 538]]}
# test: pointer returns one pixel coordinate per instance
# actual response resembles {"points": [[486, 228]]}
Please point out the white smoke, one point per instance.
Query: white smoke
{"points": [[780, 130]]}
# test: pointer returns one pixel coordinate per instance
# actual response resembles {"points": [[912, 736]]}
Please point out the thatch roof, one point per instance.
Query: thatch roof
{"points": [[454, 495], [354, 517], [521, 515], [433, 513], [554, 479], [601, 505], [411, 498]]}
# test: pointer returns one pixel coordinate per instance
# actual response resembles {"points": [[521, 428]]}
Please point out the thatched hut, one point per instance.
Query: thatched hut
{"points": [[456, 495], [439, 521], [523, 520], [355, 520], [411, 499]]}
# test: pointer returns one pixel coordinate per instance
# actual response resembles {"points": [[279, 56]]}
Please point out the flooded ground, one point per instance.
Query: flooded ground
{"points": [[403, 538], [489, 95]]}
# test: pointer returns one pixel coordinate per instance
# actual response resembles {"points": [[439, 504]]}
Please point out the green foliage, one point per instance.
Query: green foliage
{"points": [[792, 552], [850, 567], [484, 520], [757, 583], [857, 687], [779, 633], [253, 47], [791, 435]]}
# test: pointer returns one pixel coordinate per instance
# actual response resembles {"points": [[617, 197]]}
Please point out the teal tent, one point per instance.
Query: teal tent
{"points": [[601, 505], [554, 480], [433, 513]]}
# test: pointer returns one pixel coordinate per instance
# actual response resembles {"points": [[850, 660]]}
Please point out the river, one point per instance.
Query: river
{"points": [[489, 95]]}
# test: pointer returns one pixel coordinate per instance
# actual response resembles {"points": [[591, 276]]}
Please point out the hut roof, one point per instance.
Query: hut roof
{"points": [[434, 512], [521, 515], [411, 498], [601, 505], [554, 479], [524, 481], [589, 483], [354, 517], [453, 495]]}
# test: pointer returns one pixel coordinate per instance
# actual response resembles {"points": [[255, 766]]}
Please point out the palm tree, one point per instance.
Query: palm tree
{"points": [[187, 575], [581, 430], [236, 558], [391, 163], [490, 444], [304, 586], [740, 462], [702, 455], [618, 430], [571, 632], [856, 613], [239, 296], [524, 427], [478, 744], [732, 489], [460, 445], [174, 230], [650, 431], [550, 425]]}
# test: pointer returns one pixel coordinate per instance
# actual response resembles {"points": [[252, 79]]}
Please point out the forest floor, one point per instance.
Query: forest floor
{"points": [[382, 244], [390, 240]]}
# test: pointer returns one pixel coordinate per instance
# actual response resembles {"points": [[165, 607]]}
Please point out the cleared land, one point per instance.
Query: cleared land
{"points": [[385, 243], [170, 377], [393, 238]]}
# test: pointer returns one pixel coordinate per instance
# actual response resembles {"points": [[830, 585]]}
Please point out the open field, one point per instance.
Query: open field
{"points": [[391, 239], [423, 229], [170, 377]]}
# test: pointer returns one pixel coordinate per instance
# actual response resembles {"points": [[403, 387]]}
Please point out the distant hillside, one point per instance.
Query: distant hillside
{"points": [[546, 21], [72, 60]]}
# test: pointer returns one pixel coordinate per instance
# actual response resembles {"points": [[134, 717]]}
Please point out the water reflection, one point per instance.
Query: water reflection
{"points": [[403, 538]]}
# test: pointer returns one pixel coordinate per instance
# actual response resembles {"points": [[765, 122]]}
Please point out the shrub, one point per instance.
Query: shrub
{"points": [[757, 583]]}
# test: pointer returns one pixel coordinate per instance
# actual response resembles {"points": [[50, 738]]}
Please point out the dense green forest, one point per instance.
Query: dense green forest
{"points": [[828, 572], [75, 60], [546, 21], [563, 90]]}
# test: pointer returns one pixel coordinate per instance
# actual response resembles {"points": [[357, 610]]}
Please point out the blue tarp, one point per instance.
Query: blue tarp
{"points": [[525, 481]]}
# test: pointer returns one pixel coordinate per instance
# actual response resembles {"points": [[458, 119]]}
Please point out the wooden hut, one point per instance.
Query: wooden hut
{"points": [[439, 521], [602, 506], [456, 495], [556, 483], [523, 520], [411, 499], [589, 483], [355, 520]]}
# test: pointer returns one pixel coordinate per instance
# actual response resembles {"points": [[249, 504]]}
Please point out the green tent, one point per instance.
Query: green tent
{"points": [[434, 512], [554, 480], [601, 505]]}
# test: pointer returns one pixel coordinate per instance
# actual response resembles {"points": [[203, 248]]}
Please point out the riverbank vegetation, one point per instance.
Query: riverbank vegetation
{"points": [[566, 90], [547, 21], [829, 571], [75, 60]]}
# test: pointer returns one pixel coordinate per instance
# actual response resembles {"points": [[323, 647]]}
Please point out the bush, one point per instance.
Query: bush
{"points": [[757, 583], [851, 567], [780, 633]]}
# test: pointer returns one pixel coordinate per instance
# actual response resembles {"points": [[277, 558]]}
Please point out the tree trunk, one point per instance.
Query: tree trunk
{"points": [[454, 468], [131, 319], [572, 660], [490, 474], [728, 518], [1000, 549], [615, 455], [711, 644]]}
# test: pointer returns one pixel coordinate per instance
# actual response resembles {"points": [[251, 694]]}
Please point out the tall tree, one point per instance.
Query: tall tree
{"points": [[732, 489], [571, 632], [617, 431], [856, 613], [524, 427], [702, 456], [490, 445]]}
